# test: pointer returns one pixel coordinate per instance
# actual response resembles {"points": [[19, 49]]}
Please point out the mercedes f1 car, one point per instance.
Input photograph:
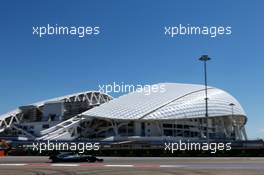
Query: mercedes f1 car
{"points": [[73, 157]]}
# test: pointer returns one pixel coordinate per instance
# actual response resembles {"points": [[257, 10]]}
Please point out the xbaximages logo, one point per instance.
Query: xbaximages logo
{"points": [[80, 31], [196, 146], [127, 88], [81, 147]]}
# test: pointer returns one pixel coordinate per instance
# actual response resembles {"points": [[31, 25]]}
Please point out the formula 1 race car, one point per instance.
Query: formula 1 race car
{"points": [[73, 157]]}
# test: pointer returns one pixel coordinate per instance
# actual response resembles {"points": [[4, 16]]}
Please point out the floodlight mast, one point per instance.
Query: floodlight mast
{"points": [[205, 58], [232, 112]]}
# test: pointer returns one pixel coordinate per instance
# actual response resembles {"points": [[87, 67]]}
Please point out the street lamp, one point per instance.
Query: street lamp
{"points": [[232, 112], [205, 58], [232, 109]]}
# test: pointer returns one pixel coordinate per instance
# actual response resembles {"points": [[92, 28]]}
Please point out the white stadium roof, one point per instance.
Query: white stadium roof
{"points": [[178, 101], [62, 98]]}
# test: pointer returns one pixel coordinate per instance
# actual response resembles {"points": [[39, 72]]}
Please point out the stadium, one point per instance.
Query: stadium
{"points": [[178, 112]]}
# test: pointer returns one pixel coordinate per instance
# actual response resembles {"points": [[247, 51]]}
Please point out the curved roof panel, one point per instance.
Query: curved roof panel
{"points": [[175, 102]]}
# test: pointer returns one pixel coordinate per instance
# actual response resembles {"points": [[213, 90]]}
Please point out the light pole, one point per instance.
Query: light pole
{"points": [[232, 112], [205, 58], [232, 108]]}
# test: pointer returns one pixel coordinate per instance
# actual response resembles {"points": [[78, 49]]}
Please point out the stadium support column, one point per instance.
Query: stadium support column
{"points": [[244, 133], [205, 58], [114, 126]]}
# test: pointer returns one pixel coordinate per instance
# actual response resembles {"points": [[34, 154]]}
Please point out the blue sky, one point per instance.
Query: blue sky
{"points": [[131, 48]]}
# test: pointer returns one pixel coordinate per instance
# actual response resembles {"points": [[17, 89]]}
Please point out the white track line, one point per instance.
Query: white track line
{"points": [[13, 164], [103, 165], [172, 166], [65, 164], [119, 165]]}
